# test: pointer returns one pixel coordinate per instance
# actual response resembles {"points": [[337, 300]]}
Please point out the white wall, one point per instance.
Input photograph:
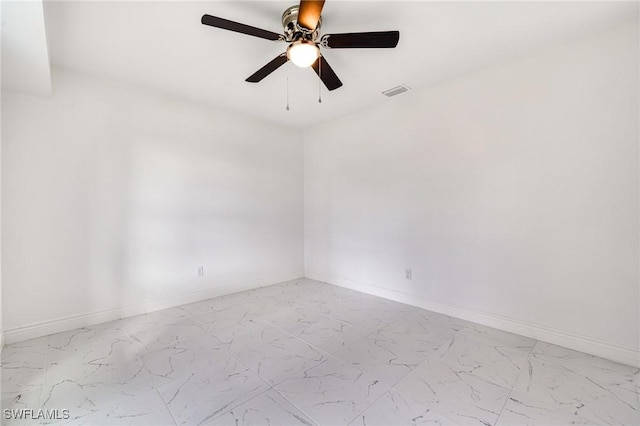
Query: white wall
{"points": [[25, 55], [511, 193], [1, 323], [113, 196]]}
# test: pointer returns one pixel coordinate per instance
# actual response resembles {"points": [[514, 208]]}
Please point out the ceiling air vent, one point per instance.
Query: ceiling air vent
{"points": [[396, 90]]}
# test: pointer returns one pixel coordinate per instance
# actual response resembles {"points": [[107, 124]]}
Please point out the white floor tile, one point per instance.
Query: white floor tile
{"points": [[23, 366], [166, 335], [435, 390], [151, 320], [488, 354], [332, 393], [326, 333], [422, 332], [381, 357], [269, 408], [605, 396], [140, 409], [16, 402], [201, 357], [394, 409], [281, 358], [197, 400], [305, 352]]}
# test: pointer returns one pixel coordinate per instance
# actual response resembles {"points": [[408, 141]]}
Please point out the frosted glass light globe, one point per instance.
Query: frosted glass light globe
{"points": [[303, 53]]}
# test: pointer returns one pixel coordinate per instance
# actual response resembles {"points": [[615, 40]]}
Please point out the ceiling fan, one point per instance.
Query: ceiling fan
{"points": [[301, 25]]}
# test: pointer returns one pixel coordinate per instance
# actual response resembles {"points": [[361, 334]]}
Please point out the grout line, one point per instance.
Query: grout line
{"points": [[272, 387], [139, 355], [175, 422], [297, 408], [326, 354], [636, 387], [322, 351], [44, 374], [398, 380], [515, 383]]}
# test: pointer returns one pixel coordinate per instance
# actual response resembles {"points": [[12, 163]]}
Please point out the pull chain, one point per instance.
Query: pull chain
{"points": [[287, 108], [319, 80]]}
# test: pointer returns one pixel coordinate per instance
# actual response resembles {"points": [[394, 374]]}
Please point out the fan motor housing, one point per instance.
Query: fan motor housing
{"points": [[291, 28]]}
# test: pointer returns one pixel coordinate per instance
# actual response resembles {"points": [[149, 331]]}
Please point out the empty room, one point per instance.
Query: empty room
{"points": [[320, 212]]}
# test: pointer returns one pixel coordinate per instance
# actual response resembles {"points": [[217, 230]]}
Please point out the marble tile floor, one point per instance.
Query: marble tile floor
{"points": [[305, 352]]}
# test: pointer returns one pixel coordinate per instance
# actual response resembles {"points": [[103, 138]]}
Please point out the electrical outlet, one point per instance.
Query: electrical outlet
{"points": [[407, 273], [201, 271]]}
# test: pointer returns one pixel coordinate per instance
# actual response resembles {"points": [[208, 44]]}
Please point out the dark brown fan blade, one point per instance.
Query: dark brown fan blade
{"points": [[276, 63], [225, 24], [326, 74], [376, 39], [309, 13]]}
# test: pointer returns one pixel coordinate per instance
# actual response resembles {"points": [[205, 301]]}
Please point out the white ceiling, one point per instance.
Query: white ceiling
{"points": [[162, 45]]}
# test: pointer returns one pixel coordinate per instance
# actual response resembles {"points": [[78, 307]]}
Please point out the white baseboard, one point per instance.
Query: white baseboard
{"points": [[621, 354], [32, 331]]}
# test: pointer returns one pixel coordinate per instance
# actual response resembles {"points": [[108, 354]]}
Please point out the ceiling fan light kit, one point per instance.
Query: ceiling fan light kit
{"points": [[303, 53], [301, 29]]}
